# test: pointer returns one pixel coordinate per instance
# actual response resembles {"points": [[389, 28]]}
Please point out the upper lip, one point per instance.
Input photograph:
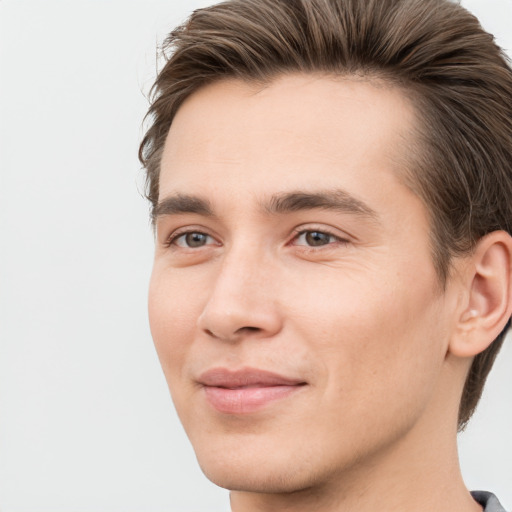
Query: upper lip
{"points": [[245, 377]]}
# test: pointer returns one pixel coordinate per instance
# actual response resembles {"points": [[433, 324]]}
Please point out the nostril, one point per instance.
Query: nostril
{"points": [[238, 332], [249, 329], [211, 333]]}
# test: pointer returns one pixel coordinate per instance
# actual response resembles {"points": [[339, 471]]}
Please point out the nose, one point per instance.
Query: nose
{"points": [[242, 302]]}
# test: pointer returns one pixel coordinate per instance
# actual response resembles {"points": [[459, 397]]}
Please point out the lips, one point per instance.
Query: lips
{"points": [[247, 390]]}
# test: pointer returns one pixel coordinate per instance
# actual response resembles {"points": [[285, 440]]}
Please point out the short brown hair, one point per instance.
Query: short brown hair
{"points": [[459, 80]]}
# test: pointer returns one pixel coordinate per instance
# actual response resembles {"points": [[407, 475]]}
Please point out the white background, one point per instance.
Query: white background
{"points": [[86, 423]]}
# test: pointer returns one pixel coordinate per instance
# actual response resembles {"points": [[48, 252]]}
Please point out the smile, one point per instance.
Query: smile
{"points": [[246, 391]]}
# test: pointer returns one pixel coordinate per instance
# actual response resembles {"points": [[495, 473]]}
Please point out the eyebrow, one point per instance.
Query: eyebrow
{"points": [[338, 200], [181, 203], [286, 202]]}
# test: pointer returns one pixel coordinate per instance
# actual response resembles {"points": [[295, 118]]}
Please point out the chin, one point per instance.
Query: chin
{"points": [[256, 476], [262, 464], [259, 462]]}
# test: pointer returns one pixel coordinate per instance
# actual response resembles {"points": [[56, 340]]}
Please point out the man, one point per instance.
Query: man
{"points": [[330, 184]]}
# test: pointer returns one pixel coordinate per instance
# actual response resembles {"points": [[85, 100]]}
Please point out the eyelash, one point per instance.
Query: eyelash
{"points": [[337, 239], [171, 240]]}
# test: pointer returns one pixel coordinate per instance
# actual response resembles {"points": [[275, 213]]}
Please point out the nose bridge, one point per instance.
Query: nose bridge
{"points": [[241, 298]]}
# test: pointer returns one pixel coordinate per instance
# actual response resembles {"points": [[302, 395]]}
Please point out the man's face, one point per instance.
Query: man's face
{"points": [[294, 303]]}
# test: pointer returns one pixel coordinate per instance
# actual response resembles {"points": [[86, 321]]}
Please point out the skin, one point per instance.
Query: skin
{"points": [[361, 317]]}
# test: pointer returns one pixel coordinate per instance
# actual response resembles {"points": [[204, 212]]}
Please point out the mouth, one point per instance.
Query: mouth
{"points": [[247, 390]]}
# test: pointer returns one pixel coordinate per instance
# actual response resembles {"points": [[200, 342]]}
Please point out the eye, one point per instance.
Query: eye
{"points": [[191, 240], [314, 238]]}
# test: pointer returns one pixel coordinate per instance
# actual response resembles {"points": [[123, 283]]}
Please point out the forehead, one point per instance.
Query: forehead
{"points": [[298, 131]]}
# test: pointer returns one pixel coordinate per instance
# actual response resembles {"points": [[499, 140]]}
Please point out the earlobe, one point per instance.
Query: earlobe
{"points": [[489, 295]]}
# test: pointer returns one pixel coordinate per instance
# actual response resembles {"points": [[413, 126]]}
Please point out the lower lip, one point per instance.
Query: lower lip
{"points": [[246, 400]]}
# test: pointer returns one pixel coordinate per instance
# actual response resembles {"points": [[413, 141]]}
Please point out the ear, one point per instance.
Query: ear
{"points": [[488, 303]]}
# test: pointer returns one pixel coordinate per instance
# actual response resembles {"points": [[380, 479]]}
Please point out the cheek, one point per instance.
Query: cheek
{"points": [[376, 338], [172, 315]]}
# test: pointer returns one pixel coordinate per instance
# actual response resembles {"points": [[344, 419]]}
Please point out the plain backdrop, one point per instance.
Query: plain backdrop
{"points": [[86, 422]]}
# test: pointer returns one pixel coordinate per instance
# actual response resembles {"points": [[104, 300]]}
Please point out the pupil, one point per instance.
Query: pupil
{"points": [[195, 239], [316, 238]]}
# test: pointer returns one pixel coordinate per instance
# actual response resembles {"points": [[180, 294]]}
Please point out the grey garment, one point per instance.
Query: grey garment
{"points": [[488, 501]]}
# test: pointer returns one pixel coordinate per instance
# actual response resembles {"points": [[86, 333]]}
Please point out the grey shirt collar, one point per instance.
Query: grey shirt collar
{"points": [[488, 501]]}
